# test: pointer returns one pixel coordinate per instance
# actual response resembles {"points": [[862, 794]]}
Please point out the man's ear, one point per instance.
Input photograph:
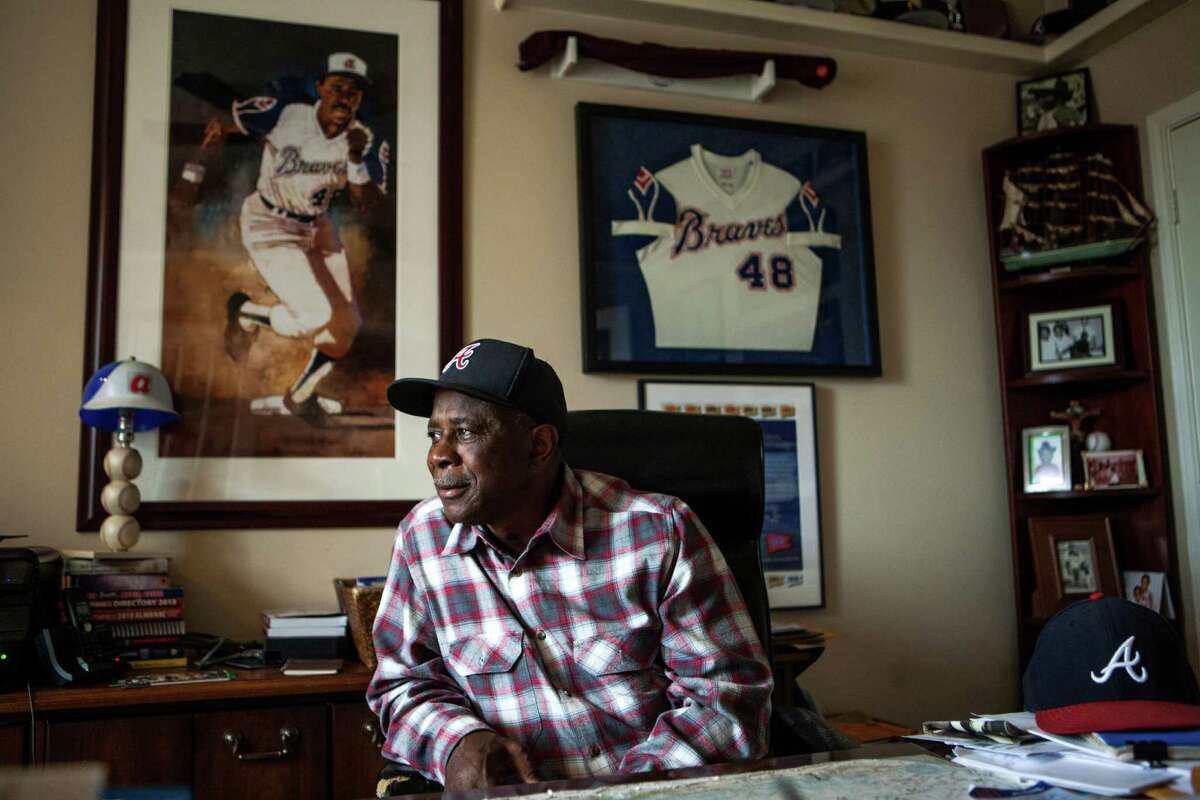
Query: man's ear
{"points": [[544, 443]]}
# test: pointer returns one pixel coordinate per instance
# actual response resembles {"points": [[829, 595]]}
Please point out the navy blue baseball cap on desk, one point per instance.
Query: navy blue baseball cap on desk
{"points": [[503, 373], [1107, 664]]}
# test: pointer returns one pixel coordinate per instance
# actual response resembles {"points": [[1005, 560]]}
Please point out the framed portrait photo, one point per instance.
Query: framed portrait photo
{"points": [[1114, 469], [1071, 338], [1073, 557], [712, 245], [276, 205], [791, 535], [1046, 456], [1055, 101]]}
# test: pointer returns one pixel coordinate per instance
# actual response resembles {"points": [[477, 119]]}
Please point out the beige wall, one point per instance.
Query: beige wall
{"points": [[917, 558]]}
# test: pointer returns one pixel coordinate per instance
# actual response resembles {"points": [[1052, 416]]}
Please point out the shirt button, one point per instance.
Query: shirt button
{"points": [[594, 751], [516, 573], [541, 635], [564, 692]]}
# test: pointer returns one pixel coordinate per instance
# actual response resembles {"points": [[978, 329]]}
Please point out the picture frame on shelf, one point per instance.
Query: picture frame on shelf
{"points": [[714, 245], [1054, 101], [1073, 556], [1046, 459], [1149, 589], [1114, 470], [1072, 338], [178, 145], [791, 536]]}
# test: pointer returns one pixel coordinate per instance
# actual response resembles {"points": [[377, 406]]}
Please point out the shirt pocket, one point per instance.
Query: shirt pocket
{"points": [[616, 651], [486, 653], [497, 680]]}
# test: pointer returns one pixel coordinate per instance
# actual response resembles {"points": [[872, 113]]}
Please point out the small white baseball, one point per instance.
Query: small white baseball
{"points": [[120, 532], [120, 497], [1098, 442], [122, 463]]}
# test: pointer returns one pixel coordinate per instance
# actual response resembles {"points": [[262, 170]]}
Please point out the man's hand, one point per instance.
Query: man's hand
{"points": [[484, 759], [356, 141]]}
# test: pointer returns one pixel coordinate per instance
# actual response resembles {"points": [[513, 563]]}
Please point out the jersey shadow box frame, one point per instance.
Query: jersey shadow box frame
{"points": [[720, 246], [237, 243]]}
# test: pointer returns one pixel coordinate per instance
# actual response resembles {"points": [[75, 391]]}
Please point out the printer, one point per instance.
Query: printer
{"points": [[30, 584]]}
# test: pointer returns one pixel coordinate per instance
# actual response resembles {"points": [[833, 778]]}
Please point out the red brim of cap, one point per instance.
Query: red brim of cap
{"points": [[1118, 715]]}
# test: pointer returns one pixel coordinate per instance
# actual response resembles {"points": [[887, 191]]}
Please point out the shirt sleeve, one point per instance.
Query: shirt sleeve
{"points": [[720, 681], [421, 709]]}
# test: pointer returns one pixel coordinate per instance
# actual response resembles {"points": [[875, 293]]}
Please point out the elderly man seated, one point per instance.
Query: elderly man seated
{"points": [[542, 623]]}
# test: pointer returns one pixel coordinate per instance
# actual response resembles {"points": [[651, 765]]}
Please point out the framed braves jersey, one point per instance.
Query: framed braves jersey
{"points": [[729, 250], [724, 246]]}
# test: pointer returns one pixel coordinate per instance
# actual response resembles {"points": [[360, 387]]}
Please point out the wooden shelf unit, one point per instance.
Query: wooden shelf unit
{"points": [[1128, 395]]}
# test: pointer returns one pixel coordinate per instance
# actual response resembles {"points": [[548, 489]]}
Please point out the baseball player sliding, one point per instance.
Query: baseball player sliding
{"points": [[310, 153]]}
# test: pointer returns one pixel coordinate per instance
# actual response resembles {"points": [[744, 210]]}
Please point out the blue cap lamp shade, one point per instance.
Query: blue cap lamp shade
{"points": [[125, 397]]}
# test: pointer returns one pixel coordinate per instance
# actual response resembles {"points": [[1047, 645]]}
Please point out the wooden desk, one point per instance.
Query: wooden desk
{"points": [[176, 735], [865, 752]]}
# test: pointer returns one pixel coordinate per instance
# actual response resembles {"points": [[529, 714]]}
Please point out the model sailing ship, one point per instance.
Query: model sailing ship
{"points": [[1071, 204]]}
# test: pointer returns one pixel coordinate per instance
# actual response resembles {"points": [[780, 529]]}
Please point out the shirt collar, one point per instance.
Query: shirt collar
{"points": [[564, 524]]}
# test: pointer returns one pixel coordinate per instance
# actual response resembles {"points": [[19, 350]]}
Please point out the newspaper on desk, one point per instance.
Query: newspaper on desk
{"points": [[916, 776]]}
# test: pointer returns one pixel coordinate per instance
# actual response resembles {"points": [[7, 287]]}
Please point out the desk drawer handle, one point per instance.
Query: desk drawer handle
{"points": [[371, 731], [287, 737]]}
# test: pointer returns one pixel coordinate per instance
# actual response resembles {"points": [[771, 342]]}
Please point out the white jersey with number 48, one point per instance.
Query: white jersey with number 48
{"points": [[729, 273]]}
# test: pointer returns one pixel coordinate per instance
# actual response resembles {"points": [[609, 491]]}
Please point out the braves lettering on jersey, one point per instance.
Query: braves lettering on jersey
{"points": [[728, 272], [301, 168]]}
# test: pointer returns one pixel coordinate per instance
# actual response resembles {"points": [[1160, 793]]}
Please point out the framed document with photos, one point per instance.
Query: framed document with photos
{"points": [[791, 535]]}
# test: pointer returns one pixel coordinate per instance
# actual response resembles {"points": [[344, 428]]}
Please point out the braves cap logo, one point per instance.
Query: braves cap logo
{"points": [[643, 180], [461, 358], [1124, 657], [140, 383], [348, 63]]}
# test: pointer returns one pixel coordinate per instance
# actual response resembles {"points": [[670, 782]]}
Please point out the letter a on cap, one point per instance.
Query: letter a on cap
{"points": [[461, 358]]}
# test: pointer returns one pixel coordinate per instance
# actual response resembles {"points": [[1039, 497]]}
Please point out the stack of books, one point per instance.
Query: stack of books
{"points": [[304, 634], [132, 593]]}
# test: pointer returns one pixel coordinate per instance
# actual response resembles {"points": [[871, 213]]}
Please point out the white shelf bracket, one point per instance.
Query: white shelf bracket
{"points": [[567, 61], [764, 82]]}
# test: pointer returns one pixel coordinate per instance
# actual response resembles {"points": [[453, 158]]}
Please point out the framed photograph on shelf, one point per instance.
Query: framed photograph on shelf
{"points": [[1114, 469], [1071, 338], [1055, 101], [713, 245], [1072, 558], [250, 162], [1046, 456], [791, 535], [1149, 589]]}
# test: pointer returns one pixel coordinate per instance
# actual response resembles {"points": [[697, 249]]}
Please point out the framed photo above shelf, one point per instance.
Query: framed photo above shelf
{"points": [[1114, 470], [1046, 459], [1071, 338], [713, 245], [236, 242], [791, 536], [1054, 102]]}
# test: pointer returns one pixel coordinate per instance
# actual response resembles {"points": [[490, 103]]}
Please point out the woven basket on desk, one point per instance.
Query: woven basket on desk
{"points": [[359, 603]]}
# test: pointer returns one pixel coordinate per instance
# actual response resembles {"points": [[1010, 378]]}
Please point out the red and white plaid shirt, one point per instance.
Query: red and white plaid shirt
{"points": [[616, 642]]}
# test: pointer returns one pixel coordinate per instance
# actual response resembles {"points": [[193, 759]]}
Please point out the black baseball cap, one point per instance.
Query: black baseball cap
{"points": [[499, 372], [1107, 664]]}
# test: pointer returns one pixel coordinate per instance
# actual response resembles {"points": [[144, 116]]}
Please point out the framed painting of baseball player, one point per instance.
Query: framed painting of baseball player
{"points": [[275, 210], [724, 246]]}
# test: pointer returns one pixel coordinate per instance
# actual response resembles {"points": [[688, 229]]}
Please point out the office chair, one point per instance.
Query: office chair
{"points": [[715, 465]]}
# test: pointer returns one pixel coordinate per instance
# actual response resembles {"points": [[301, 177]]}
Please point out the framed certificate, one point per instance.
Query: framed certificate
{"points": [[791, 535]]}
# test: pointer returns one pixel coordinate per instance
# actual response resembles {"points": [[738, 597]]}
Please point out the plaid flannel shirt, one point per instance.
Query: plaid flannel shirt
{"points": [[616, 642]]}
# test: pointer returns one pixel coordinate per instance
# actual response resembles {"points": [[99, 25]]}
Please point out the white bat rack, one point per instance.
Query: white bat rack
{"points": [[750, 88]]}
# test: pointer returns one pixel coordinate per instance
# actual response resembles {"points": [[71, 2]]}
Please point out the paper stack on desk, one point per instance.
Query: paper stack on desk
{"points": [[1114, 708]]}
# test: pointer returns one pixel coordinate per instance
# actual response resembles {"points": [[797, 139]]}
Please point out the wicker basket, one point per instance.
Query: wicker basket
{"points": [[359, 604]]}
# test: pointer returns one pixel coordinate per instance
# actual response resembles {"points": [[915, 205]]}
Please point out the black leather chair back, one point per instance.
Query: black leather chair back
{"points": [[714, 464]]}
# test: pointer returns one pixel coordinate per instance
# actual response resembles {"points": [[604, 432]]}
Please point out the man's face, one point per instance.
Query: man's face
{"points": [[479, 458], [341, 95]]}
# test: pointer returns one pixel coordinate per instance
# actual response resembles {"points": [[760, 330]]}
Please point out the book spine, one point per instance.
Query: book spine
{"points": [[157, 663], [143, 602], [135, 614], [139, 642], [150, 651], [135, 594], [87, 566], [148, 628], [117, 583]]}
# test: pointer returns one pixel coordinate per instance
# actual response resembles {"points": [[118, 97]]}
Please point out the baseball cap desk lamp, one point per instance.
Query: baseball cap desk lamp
{"points": [[125, 397]]}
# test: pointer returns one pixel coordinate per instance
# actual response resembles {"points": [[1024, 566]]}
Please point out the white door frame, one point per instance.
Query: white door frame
{"points": [[1181, 388]]}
